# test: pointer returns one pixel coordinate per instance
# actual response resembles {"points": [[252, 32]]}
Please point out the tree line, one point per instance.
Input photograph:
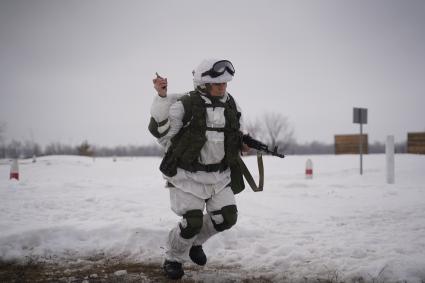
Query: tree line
{"points": [[17, 149], [27, 149], [273, 129]]}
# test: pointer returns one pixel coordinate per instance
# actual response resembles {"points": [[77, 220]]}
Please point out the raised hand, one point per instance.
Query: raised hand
{"points": [[160, 84]]}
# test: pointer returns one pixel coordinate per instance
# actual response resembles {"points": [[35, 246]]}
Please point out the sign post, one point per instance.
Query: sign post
{"points": [[360, 117], [389, 153]]}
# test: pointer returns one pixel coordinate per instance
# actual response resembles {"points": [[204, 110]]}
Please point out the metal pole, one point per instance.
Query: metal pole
{"points": [[389, 151], [361, 149]]}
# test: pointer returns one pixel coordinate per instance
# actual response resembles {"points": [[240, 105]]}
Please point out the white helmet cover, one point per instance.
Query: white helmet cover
{"points": [[206, 65]]}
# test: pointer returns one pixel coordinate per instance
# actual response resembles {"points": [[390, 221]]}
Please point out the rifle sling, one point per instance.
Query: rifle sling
{"points": [[248, 176]]}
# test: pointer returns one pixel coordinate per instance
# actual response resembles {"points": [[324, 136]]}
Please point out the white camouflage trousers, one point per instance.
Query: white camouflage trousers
{"points": [[177, 248]]}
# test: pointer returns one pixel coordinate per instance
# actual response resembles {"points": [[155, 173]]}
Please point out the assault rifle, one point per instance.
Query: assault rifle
{"points": [[253, 143]]}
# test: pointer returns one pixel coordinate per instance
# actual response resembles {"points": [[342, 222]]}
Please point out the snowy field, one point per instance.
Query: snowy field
{"points": [[339, 225]]}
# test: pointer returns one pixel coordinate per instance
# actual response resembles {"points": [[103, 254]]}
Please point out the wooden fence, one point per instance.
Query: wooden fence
{"points": [[349, 144], [416, 143]]}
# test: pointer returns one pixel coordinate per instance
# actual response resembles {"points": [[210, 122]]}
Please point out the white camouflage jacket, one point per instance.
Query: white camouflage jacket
{"points": [[201, 184]]}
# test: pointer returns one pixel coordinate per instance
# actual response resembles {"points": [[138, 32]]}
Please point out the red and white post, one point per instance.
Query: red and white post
{"points": [[309, 169], [14, 170]]}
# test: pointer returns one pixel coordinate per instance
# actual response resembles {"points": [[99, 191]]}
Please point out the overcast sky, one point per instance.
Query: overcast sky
{"points": [[76, 70]]}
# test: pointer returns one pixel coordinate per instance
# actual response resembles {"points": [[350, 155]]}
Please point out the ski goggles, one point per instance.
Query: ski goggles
{"points": [[219, 68]]}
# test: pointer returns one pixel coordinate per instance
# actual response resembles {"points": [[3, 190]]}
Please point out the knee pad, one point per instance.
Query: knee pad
{"points": [[191, 224], [229, 214]]}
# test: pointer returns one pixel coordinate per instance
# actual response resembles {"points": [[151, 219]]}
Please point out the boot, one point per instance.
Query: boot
{"points": [[197, 255], [173, 269]]}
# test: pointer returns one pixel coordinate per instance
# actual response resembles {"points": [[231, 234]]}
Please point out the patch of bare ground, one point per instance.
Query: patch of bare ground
{"points": [[98, 269], [115, 272]]}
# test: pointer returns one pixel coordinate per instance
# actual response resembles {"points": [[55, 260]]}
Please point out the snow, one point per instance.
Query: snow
{"points": [[338, 224], [120, 272]]}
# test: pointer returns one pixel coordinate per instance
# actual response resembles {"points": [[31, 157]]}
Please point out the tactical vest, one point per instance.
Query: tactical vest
{"points": [[186, 145]]}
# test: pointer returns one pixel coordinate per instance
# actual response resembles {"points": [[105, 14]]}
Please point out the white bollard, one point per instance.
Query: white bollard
{"points": [[34, 159], [309, 169], [389, 152]]}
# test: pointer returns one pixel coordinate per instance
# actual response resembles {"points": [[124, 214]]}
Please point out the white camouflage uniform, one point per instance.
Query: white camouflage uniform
{"points": [[191, 189]]}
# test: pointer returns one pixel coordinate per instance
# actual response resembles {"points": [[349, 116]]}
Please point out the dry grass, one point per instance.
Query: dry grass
{"points": [[95, 272], [99, 269]]}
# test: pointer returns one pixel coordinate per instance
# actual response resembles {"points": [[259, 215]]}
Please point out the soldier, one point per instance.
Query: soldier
{"points": [[201, 133]]}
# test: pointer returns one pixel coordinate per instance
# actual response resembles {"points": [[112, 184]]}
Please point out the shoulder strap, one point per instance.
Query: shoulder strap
{"points": [[186, 100], [232, 102]]}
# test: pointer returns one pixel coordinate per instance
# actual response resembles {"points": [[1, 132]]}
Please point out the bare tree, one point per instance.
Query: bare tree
{"points": [[277, 131], [57, 148], [85, 149], [273, 129], [2, 129], [14, 149], [30, 148], [253, 128], [2, 144]]}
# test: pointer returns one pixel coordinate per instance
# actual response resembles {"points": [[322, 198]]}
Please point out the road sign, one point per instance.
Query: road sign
{"points": [[360, 116]]}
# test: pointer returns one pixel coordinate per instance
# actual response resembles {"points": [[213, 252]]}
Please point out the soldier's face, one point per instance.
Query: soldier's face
{"points": [[218, 89]]}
